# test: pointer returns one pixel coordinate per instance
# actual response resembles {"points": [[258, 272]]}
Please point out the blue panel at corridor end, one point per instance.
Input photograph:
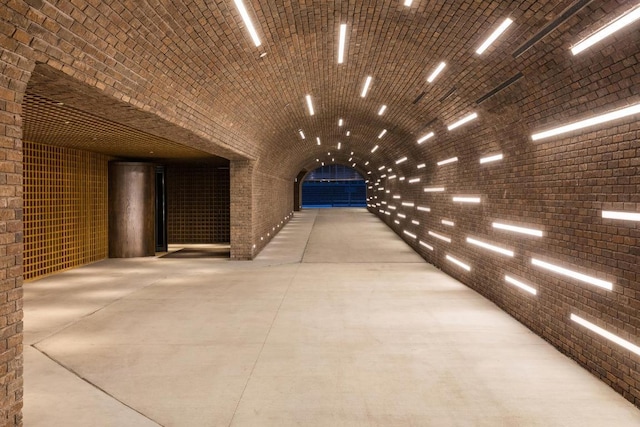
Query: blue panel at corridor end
{"points": [[327, 194]]}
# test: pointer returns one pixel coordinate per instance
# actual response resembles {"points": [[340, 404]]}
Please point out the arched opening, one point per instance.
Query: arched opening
{"points": [[334, 186]]}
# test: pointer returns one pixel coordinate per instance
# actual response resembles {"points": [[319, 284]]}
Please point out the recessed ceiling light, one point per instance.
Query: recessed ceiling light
{"points": [[496, 33], [263, 54], [366, 163], [401, 160], [462, 121], [421, 165], [381, 168], [340, 122], [365, 88], [339, 145], [627, 18], [310, 105], [437, 71], [408, 2], [414, 180], [247, 22], [382, 110], [348, 133], [301, 134], [423, 138], [384, 131], [318, 139], [373, 150], [341, 43]]}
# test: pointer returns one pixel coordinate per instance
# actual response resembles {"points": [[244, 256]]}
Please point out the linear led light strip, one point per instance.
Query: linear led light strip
{"points": [[397, 196], [433, 189], [247, 22], [396, 221], [408, 2], [458, 263], [462, 121], [494, 35], [516, 229], [403, 216], [606, 334], [447, 161], [621, 22], [414, 180], [341, 42], [384, 131], [410, 234], [437, 71], [318, 140], [339, 145], [409, 204], [592, 121], [421, 165], [301, 134], [447, 222], [373, 150], [403, 159], [573, 274], [426, 245], [423, 138], [490, 247], [466, 199], [365, 88], [382, 110], [424, 209], [440, 236], [628, 216], [493, 158], [310, 105], [413, 221], [520, 285]]}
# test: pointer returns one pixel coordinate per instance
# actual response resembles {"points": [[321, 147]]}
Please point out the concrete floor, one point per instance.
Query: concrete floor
{"points": [[336, 323]]}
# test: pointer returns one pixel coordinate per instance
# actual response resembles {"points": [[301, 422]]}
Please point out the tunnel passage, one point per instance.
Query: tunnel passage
{"points": [[334, 186]]}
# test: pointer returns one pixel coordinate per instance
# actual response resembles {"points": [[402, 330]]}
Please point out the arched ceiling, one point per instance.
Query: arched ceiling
{"points": [[258, 93]]}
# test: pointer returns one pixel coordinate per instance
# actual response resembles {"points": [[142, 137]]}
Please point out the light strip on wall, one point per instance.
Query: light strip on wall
{"points": [[408, 2], [496, 33], [414, 180], [424, 209], [490, 247], [462, 121], [340, 122], [433, 189], [365, 88], [621, 22], [339, 145], [392, 207], [373, 150], [466, 199], [397, 196], [447, 222], [403, 216], [516, 229], [384, 131], [573, 274], [592, 121], [381, 167], [318, 140], [301, 134], [392, 176], [396, 221], [421, 165], [410, 234], [493, 158], [423, 138], [458, 263], [447, 161], [247, 22], [627, 216], [606, 334], [426, 245], [403, 159], [413, 221], [310, 105], [409, 204], [437, 71], [382, 110], [341, 43], [440, 236], [521, 285]]}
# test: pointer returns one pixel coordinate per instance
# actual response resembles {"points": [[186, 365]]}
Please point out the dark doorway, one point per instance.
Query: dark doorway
{"points": [[334, 186], [161, 210]]}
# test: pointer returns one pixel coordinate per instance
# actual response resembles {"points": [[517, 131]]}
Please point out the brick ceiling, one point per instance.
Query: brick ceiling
{"points": [[204, 48]]}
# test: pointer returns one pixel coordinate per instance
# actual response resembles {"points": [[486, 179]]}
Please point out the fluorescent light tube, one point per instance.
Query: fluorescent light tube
{"points": [[382, 110], [403, 216], [493, 158], [462, 121], [621, 22], [446, 162], [606, 334], [490, 247], [403, 159], [348, 133], [423, 138], [310, 105], [247, 22], [381, 167], [433, 189], [410, 234], [496, 33], [408, 2], [426, 245], [628, 216], [592, 121], [339, 145], [365, 88], [421, 165], [373, 150], [521, 285], [440, 236], [409, 204], [301, 134], [414, 180], [464, 199], [458, 263], [340, 122], [318, 140], [573, 274], [424, 209], [413, 221], [392, 176], [341, 42], [447, 222], [384, 131], [437, 71], [516, 229]]}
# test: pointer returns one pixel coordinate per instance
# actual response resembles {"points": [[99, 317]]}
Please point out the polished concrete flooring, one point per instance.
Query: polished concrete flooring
{"points": [[336, 323]]}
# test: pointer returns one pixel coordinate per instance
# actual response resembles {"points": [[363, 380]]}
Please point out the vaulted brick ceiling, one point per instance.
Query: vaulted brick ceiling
{"points": [[203, 48]]}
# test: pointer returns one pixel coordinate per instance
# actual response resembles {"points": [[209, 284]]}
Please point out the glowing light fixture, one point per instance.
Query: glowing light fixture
{"points": [[458, 263], [606, 334], [426, 245], [592, 121], [466, 199], [339, 145], [521, 285], [447, 222], [341, 43], [301, 134], [424, 209], [318, 140], [517, 229], [628, 216], [440, 236], [401, 160], [423, 138], [381, 167], [384, 131], [462, 121], [408, 2], [490, 247], [397, 196], [410, 234], [446, 162], [573, 274], [621, 22], [493, 158], [373, 150], [348, 133], [247, 22], [403, 216], [365, 88], [437, 71], [413, 221], [433, 189], [396, 221], [310, 105], [392, 176], [494, 35], [409, 204], [382, 110], [340, 122], [414, 180], [421, 165]]}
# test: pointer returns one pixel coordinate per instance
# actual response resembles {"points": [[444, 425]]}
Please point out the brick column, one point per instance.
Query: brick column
{"points": [[241, 176]]}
